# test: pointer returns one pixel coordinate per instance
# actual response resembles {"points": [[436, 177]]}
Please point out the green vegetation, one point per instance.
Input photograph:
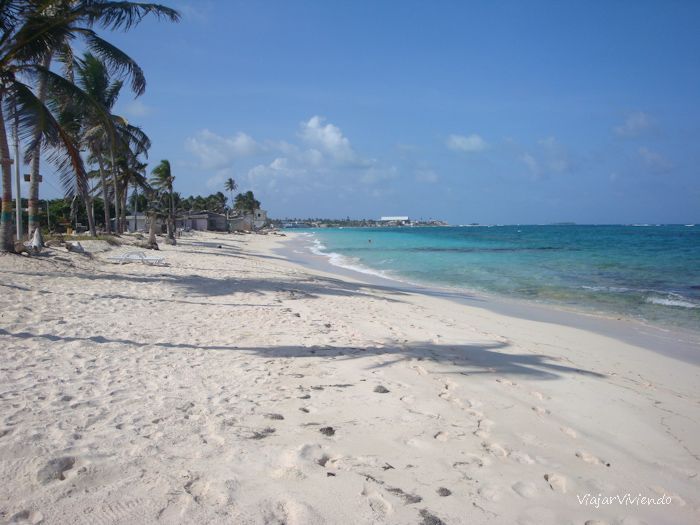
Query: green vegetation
{"points": [[62, 115], [246, 202]]}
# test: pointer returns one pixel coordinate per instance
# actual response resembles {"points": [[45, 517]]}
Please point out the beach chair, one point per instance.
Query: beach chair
{"points": [[137, 257]]}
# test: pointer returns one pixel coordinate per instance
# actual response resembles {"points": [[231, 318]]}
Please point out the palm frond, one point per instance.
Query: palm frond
{"points": [[122, 15], [117, 62], [37, 125]]}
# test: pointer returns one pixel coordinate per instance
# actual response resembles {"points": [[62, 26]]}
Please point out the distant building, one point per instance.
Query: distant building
{"points": [[248, 221], [202, 221], [396, 220], [140, 223]]}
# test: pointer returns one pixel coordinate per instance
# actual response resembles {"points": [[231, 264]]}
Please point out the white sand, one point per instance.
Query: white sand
{"points": [[196, 393]]}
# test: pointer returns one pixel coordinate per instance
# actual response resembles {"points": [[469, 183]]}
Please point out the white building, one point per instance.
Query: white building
{"points": [[397, 219], [248, 221]]}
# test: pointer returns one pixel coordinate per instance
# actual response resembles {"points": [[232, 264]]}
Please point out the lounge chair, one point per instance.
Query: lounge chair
{"points": [[137, 257]]}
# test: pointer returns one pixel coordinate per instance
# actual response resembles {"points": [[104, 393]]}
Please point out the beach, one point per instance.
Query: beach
{"points": [[239, 384]]}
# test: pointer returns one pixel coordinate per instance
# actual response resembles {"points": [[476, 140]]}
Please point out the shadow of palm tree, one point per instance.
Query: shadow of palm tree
{"points": [[468, 359]]}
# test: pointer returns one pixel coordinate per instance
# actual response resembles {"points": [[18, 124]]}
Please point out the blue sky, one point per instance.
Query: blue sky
{"points": [[491, 112]]}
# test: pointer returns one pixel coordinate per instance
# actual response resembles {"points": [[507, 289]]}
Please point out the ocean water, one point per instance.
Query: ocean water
{"points": [[651, 273]]}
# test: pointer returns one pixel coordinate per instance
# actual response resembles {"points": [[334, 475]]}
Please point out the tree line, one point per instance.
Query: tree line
{"points": [[58, 103]]}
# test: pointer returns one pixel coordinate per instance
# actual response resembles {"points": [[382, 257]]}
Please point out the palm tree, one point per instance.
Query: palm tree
{"points": [[155, 209], [230, 186], [105, 136], [162, 179], [130, 172], [246, 202], [32, 32], [78, 17], [26, 38]]}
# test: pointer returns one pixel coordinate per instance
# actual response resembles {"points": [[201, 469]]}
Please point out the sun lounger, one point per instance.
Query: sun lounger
{"points": [[137, 257]]}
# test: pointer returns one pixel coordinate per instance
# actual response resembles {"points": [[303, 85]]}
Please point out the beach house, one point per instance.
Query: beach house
{"points": [[202, 221], [248, 221]]}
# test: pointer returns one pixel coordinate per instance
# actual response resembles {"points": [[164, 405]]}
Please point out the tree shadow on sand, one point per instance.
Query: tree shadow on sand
{"points": [[467, 359]]}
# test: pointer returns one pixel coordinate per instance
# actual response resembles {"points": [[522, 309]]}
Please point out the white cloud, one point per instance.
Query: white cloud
{"points": [[216, 182], [654, 160], [216, 151], [552, 158], [531, 163], [137, 108], [326, 138], [428, 176], [471, 143], [321, 158], [376, 174], [635, 124]]}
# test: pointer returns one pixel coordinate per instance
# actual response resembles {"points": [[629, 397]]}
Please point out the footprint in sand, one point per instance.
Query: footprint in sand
{"points": [[590, 458], [27, 516], [483, 428], [557, 482], [379, 505], [495, 449], [539, 395], [569, 432], [521, 457], [541, 411], [525, 489], [419, 370], [675, 498], [490, 492], [55, 469], [442, 436], [471, 462]]}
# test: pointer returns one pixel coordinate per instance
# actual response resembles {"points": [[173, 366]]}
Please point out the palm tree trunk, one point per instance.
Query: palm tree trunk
{"points": [[33, 205], [117, 214], [7, 243], [125, 193], [152, 230], [103, 178], [171, 218], [90, 212]]}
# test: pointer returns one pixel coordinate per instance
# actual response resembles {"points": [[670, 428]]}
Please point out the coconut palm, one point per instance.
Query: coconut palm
{"points": [[105, 136], [78, 18], [230, 186], [26, 38], [31, 32], [246, 202], [162, 179]]}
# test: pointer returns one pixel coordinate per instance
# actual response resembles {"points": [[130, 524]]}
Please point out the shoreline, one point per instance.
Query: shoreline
{"points": [[235, 386], [672, 341]]}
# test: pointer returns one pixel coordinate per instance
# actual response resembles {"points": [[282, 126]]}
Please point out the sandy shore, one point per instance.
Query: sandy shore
{"points": [[235, 386]]}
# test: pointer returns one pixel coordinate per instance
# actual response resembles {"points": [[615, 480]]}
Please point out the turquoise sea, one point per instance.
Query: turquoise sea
{"points": [[647, 272]]}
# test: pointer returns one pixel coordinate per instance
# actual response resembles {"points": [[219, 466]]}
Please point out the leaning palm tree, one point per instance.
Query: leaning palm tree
{"points": [[230, 186], [31, 32], [162, 179], [26, 38], [78, 18]]}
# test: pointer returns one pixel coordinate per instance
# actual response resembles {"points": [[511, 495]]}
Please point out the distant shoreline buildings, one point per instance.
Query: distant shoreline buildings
{"points": [[384, 221]]}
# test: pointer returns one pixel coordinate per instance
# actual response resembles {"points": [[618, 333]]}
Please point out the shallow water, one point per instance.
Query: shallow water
{"points": [[651, 273]]}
